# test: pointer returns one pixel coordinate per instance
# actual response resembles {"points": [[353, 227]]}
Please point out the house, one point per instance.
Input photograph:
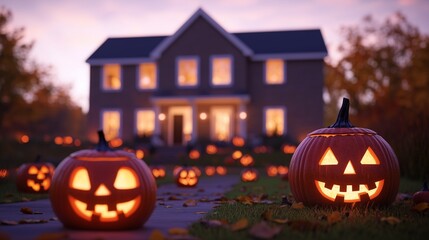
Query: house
{"points": [[204, 83]]}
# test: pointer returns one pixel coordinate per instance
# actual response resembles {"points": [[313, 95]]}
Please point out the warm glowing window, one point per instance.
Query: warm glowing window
{"points": [[111, 124], [274, 121], [147, 76], [112, 77], [274, 71], [221, 71], [187, 71], [145, 120]]}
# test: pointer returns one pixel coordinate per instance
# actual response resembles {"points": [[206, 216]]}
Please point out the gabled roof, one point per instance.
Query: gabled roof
{"points": [[295, 44]]}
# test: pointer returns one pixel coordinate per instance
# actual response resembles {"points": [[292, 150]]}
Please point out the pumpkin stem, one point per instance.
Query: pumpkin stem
{"points": [[102, 145], [343, 116]]}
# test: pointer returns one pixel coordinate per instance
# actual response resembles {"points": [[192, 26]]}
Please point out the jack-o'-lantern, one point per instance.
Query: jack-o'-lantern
{"points": [[34, 177], [238, 141], [158, 172], [210, 170], [249, 175], [211, 149], [103, 189], [343, 164], [288, 149], [271, 171], [237, 154], [194, 154], [247, 160], [221, 170], [187, 176], [3, 173]]}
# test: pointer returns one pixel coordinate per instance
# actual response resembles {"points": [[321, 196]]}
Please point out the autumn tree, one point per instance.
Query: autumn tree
{"points": [[384, 70], [29, 103]]}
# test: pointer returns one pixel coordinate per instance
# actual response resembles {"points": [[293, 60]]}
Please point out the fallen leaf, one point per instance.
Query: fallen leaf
{"points": [[27, 210], [178, 231], [8, 222], [52, 236], [168, 206], [156, 235], [32, 221], [334, 217], [239, 225], [421, 207], [263, 230], [297, 205], [280, 220], [190, 203], [244, 199], [391, 220]]}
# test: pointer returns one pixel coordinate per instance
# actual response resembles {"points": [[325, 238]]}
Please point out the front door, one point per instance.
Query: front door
{"points": [[177, 129]]}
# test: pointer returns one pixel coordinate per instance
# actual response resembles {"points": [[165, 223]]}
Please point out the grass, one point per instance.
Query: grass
{"points": [[311, 222]]}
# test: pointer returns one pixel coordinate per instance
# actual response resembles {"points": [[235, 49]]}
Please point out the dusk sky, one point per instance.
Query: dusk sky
{"points": [[66, 32]]}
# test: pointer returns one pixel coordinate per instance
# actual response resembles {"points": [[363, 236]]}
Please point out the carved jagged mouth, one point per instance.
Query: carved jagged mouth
{"points": [[351, 193], [102, 212]]}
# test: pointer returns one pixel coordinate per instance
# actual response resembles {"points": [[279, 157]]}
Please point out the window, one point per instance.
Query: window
{"points": [[112, 77], [274, 121], [274, 71], [221, 70], [111, 122], [147, 76], [145, 122], [187, 71]]}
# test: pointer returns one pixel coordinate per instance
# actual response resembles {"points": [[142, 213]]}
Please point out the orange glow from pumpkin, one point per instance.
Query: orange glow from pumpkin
{"points": [[58, 140], [238, 141], [194, 154], [139, 154], [220, 170], [289, 149], [272, 171], [210, 170], [246, 160], [158, 172], [237, 154], [68, 140], [42, 176], [3, 173], [24, 139], [349, 195], [188, 177], [114, 143], [211, 149], [282, 170], [249, 175]]}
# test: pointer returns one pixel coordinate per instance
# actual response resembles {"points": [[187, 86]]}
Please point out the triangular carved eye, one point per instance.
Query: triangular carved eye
{"points": [[80, 179], [370, 158], [328, 158]]}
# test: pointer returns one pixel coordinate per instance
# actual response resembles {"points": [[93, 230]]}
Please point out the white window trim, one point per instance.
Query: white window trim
{"points": [[135, 119], [102, 79], [264, 121], [212, 57], [197, 58], [138, 77], [284, 73], [120, 118]]}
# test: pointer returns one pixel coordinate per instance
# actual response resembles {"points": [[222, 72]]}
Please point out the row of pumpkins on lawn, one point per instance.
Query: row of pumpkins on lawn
{"points": [[335, 166]]}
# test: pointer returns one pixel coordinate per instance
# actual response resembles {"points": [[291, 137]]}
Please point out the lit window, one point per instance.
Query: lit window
{"points": [[274, 121], [112, 77], [274, 71], [145, 120], [221, 71], [187, 74], [111, 124], [147, 76]]}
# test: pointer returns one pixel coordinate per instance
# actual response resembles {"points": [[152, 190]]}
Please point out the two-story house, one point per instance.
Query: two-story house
{"points": [[204, 83]]}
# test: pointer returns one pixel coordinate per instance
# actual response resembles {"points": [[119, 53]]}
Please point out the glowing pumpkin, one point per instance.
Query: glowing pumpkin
{"points": [[249, 175], [34, 177], [194, 154], [247, 160], [343, 164], [221, 170], [271, 171], [210, 170], [103, 189], [238, 141], [187, 176], [211, 149], [158, 172]]}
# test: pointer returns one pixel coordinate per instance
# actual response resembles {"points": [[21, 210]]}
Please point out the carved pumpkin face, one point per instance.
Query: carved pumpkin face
{"points": [[249, 175], [210, 170], [247, 160], [187, 177], [35, 177], [194, 154], [344, 165], [158, 172], [272, 171], [103, 189], [221, 170]]}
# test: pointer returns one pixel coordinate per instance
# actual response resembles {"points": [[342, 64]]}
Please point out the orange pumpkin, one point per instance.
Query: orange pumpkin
{"points": [[34, 177], [158, 172], [249, 175], [187, 176], [343, 164], [103, 189]]}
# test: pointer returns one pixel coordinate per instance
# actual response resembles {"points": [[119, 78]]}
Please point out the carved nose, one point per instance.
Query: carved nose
{"points": [[349, 169], [102, 191]]}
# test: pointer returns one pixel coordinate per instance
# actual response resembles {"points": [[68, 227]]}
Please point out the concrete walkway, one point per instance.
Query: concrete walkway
{"points": [[168, 213]]}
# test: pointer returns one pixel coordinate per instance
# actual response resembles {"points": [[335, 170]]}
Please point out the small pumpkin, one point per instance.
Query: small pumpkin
{"points": [[271, 171], [249, 175], [221, 170], [422, 195], [103, 189], [187, 176], [158, 172], [343, 164], [210, 170], [34, 177], [247, 160]]}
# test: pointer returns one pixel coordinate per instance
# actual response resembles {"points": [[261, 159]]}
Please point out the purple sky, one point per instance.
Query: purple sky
{"points": [[66, 32]]}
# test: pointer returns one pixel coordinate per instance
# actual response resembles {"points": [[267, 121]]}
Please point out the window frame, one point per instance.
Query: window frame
{"points": [[212, 58], [102, 111], [138, 73], [264, 117], [102, 87], [187, 57], [284, 80]]}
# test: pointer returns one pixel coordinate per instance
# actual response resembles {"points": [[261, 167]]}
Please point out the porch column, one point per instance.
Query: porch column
{"points": [[242, 122], [194, 133], [157, 130]]}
